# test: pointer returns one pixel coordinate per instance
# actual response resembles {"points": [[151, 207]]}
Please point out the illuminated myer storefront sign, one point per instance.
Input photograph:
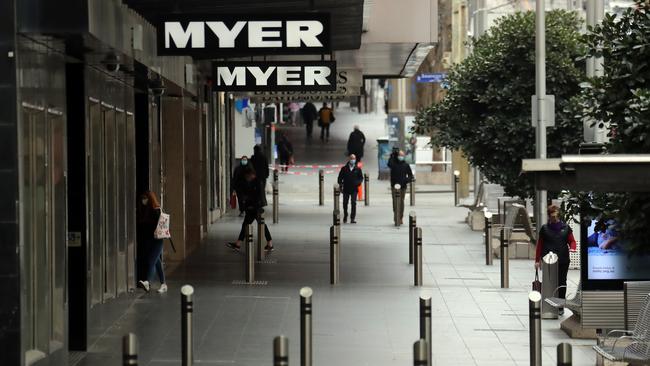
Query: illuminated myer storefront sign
{"points": [[275, 76], [219, 36]]}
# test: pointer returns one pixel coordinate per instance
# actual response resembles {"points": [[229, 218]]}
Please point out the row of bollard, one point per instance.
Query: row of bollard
{"points": [[504, 252], [415, 249]]}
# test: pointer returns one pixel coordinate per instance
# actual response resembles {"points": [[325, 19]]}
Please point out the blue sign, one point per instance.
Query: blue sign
{"points": [[431, 78]]}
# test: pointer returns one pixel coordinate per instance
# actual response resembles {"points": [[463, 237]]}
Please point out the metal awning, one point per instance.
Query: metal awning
{"points": [[602, 173]]}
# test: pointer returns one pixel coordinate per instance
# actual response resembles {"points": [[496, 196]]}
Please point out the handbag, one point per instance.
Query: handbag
{"points": [[233, 201], [537, 284], [162, 229]]}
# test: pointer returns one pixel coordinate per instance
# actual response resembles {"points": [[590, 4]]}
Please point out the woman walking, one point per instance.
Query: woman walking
{"points": [[150, 213]]}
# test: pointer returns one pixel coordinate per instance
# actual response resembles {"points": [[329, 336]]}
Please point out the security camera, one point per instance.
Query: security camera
{"points": [[157, 86], [111, 62]]}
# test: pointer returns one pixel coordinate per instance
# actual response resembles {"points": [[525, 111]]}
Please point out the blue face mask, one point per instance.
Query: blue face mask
{"points": [[400, 158], [352, 162], [244, 162]]}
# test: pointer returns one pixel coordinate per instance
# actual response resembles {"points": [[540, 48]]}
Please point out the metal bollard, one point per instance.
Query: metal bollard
{"points": [[417, 269], [275, 175], [420, 353], [505, 257], [276, 203], [260, 235], [187, 308], [425, 322], [549, 284], [280, 351], [535, 317], [366, 189], [397, 202], [305, 326], [250, 254], [412, 192], [130, 350], [321, 187], [334, 256], [412, 226], [337, 197], [488, 239], [456, 181], [564, 354]]}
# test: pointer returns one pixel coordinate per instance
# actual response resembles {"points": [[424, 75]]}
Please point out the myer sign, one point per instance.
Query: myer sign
{"points": [[218, 36], [275, 76]]}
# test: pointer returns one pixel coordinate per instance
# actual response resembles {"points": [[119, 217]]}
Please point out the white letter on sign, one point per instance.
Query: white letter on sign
{"points": [[305, 31], [228, 77], [174, 31], [317, 75], [261, 77], [286, 72], [226, 36], [256, 34]]}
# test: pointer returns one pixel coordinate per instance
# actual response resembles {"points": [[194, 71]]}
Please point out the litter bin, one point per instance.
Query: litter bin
{"points": [[549, 284]]}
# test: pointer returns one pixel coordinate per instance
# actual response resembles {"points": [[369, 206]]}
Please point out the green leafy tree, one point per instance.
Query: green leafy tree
{"points": [[487, 110]]}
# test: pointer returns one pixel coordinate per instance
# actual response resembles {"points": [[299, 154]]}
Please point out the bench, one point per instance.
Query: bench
{"points": [[574, 304], [486, 198], [478, 199], [523, 233]]}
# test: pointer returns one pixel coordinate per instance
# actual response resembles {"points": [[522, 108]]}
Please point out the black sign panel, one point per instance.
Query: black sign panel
{"points": [[219, 36], [275, 76]]}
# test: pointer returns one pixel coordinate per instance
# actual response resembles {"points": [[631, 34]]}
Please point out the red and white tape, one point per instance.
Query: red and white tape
{"points": [[308, 173], [308, 166]]}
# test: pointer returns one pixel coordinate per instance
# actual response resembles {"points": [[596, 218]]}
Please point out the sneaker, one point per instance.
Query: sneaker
{"points": [[345, 219], [353, 221], [233, 246], [144, 285], [268, 248], [560, 312], [162, 289]]}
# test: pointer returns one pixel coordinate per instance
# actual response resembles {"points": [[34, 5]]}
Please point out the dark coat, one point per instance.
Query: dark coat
{"points": [[238, 178], [355, 143], [400, 173], [261, 165], [309, 112], [350, 180], [285, 149], [252, 195]]}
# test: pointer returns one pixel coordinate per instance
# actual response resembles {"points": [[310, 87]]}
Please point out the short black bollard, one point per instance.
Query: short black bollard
{"points": [[412, 226], [456, 181], [276, 203], [412, 192], [488, 239], [337, 197], [275, 175], [261, 225], [505, 257], [564, 354], [425, 323], [130, 350], [397, 205], [366, 189], [306, 356], [420, 353], [187, 308], [535, 318], [417, 269], [321, 187], [250, 254], [334, 256], [280, 351]]}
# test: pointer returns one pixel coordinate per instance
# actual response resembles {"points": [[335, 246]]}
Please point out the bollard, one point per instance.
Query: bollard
{"points": [[130, 350], [366, 189], [250, 254], [564, 354], [412, 226], [420, 353], [535, 317], [337, 197], [549, 284], [425, 322], [336, 221], [397, 203], [280, 351], [260, 235], [187, 308], [456, 181], [276, 202], [334, 256], [412, 192], [417, 269], [505, 257], [275, 175], [488, 238], [305, 326], [321, 187]]}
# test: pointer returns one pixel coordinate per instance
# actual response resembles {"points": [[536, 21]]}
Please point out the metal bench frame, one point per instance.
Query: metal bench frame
{"points": [[478, 198], [574, 304]]}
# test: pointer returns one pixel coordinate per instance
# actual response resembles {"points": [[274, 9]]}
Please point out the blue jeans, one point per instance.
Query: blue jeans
{"points": [[154, 261]]}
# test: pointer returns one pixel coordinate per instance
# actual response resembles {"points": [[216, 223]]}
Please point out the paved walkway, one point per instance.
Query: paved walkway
{"points": [[371, 318]]}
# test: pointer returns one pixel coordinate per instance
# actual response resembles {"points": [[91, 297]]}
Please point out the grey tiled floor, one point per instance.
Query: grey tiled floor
{"points": [[371, 317]]}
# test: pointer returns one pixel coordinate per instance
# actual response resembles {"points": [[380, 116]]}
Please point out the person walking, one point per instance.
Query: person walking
{"points": [[285, 151], [309, 114], [294, 109], [350, 178], [557, 237], [149, 212], [400, 173], [325, 119], [356, 141], [254, 202], [235, 181], [260, 163]]}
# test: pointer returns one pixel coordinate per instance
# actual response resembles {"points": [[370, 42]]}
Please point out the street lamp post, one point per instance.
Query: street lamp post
{"points": [[540, 101]]}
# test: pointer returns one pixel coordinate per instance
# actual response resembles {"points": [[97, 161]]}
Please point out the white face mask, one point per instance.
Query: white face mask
{"points": [[145, 201]]}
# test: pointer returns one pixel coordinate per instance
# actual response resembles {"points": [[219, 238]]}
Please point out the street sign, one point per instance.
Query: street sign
{"points": [[437, 77]]}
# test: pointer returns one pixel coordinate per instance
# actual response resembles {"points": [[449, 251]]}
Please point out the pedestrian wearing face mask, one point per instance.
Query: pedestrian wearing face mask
{"points": [[400, 173], [148, 215], [350, 178], [236, 182]]}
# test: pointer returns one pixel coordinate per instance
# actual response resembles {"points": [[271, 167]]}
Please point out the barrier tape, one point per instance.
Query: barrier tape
{"points": [[308, 173], [307, 166]]}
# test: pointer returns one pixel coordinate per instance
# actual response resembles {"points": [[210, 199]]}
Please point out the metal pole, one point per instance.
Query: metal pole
{"points": [[280, 351], [187, 308], [275, 175], [305, 326], [337, 195], [398, 202], [505, 257], [564, 354], [412, 226], [535, 317], [276, 203], [321, 187], [366, 189], [420, 353], [130, 350], [488, 238], [334, 256], [260, 234], [456, 181], [417, 269], [412, 192], [425, 323], [540, 92], [336, 221], [250, 254]]}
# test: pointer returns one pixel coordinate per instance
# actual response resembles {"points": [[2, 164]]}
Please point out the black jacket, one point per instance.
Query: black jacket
{"points": [[350, 180], [261, 165], [355, 143], [285, 149], [252, 195], [400, 173], [309, 112], [238, 178]]}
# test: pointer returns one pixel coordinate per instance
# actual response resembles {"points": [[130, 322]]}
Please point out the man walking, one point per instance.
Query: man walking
{"points": [[309, 114], [400, 173], [325, 119], [356, 141], [350, 178]]}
